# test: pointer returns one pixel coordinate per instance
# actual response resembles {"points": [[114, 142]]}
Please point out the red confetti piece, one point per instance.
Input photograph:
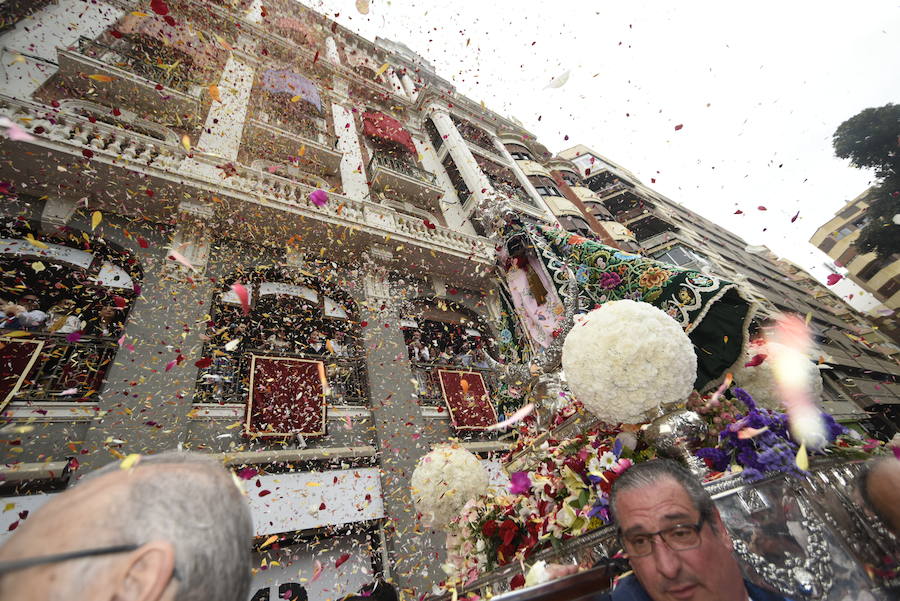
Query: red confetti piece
{"points": [[120, 301], [87, 153], [170, 365], [73, 337], [762, 208], [318, 198], [241, 292], [247, 473], [363, 324], [755, 360], [679, 126], [263, 493], [159, 7], [739, 212], [428, 224], [794, 218], [170, 20], [321, 506], [143, 243], [834, 278], [115, 34], [341, 560], [204, 362]]}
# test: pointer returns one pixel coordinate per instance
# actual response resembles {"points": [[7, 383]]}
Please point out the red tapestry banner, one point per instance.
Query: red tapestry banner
{"points": [[379, 125], [17, 357], [287, 397], [467, 399]]}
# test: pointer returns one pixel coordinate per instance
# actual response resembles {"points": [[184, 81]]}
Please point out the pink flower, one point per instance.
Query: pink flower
{"points": [[519, 483], [318, 198], [623, 464]]}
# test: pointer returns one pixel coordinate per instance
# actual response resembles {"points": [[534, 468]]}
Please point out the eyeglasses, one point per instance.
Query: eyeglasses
{"points": [[20, 564], [680, 537]]}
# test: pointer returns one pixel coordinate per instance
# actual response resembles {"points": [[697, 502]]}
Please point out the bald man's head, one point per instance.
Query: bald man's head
{"points": [[183, 522]]}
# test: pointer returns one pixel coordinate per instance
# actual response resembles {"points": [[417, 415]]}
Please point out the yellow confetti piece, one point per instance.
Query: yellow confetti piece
{"points": [[269, 541], [15, 334], [808, 317], [9, 507], [138, 13], [222, 42], [96, 218], [130, 461], [381, 69], [233, 426], [295, 98], [214, 93], [103, 78], [802, 457], [313, 484], [30, 239], [302, 150], [38, 266], [186, 142]]}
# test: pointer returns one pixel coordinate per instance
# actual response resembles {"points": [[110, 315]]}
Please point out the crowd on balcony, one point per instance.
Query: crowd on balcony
{"points": [[62, 315], [443, 348]]}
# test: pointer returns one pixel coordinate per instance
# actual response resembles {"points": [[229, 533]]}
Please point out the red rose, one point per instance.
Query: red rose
{"points": [[508, 531], [489, 528], [518, 581]]}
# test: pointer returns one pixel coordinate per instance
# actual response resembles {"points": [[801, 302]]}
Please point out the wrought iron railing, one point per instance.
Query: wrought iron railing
{"points": [[227, 379], [617, 187], [514, 192], [380, 159], [67, 370], [298, 127], [174, 76]]}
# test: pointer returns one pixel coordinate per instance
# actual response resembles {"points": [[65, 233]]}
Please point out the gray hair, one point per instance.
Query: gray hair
{"points": [[192, 502], [649, 473]]}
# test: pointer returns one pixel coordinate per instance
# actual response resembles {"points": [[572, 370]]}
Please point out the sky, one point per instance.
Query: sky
{"points": [[759, 89]]}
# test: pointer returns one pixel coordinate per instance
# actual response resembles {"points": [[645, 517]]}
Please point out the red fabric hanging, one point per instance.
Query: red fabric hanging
{"points": [[379, 125]]}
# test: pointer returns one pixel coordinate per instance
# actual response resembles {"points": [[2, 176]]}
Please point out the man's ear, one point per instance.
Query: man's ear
{"points": [[147, 573]]}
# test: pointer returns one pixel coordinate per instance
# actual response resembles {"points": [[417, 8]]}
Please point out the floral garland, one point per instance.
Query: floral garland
{"points": [[565, 495]]}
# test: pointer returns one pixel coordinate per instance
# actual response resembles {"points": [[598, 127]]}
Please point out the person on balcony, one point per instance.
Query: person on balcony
{"points": [[278, 341], [315, 344], [62, 318], [107, 323], [675, 540], [26, 315], [338, 344], [418, 351], [465, 357]]}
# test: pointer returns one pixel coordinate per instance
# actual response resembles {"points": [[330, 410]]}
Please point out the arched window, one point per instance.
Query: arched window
{"points": [[65, 301], [290, 316]]}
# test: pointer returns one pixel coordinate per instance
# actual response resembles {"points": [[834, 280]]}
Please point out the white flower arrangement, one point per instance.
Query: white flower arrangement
{"points": [[626, 358], [444, 480], [755, 375]]}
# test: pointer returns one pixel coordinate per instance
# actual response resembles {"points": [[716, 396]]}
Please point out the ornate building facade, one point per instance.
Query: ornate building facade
{"points": [[211, 189]]}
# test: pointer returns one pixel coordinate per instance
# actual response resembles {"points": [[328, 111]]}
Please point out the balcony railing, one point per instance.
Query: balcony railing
{"points": [[607, 190], [300, 128], [227, 380], [176, 77], [658, 239], [67, 371], [380, 159], [514, 192], [53, 128]]}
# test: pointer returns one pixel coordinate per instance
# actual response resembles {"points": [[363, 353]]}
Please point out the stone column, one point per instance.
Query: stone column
{"points": [[523, 179], [149, 390], [397, 417], [409, 86], [475, 179], [331, 51], [396, 86], [353, 172], [224, 125]]}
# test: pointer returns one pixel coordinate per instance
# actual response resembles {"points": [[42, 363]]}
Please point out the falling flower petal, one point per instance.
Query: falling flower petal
{"points": [[834, 278], [341, 560], [214, 93], [14, 132], [519, 482], [317, 571], [558, 81], [679, 126], [159, 7], [130, 461], [796, 215], [362, 6], [186, 142], [381, 69], [241, 292], [318, 198], [269, 541], [96, 218], [802, 457], [103, 78], [746, 433], [515, 417], [177, 256]]}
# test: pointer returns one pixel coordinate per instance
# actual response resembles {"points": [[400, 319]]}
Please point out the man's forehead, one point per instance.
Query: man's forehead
{"points": [[662, 500]]}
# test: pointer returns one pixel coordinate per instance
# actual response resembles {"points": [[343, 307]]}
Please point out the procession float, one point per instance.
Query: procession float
{"points": [[611, 358]]}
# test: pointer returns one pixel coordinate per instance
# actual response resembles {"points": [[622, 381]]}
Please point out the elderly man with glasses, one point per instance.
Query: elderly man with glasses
{"points": [[675, 540], [173, 526]]}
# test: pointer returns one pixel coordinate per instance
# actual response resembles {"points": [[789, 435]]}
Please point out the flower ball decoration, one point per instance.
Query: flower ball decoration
{"points": [[627, 358], [444, 480], [757, 377]]}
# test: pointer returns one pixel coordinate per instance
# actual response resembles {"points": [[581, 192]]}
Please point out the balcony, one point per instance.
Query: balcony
{"points": [[612, 189], [318, 146], [515, 193], [65, 370], [397, 177], [125, 158], [146, 86], [657, 240]]}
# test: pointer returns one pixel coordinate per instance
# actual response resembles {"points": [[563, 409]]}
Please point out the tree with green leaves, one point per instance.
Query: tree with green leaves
{"points": [[871, 140]]}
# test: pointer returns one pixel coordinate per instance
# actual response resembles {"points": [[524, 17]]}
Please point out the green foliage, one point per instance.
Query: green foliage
{"points": [[871, 140]]}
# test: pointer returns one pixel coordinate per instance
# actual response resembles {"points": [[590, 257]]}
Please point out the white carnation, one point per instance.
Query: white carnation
{"points": [[626, 358], [759, 381], [444, 480]]}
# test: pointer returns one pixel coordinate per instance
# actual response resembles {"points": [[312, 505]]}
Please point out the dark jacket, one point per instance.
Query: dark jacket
{"points": [[629, 589]]}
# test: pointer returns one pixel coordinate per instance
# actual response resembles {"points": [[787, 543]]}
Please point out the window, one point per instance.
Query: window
{"points": [[571, 179], [548, 191], [848, 211], [847, 256], [682, 256], [890, 288], [521, 156], [873, 267], [827, 244]]}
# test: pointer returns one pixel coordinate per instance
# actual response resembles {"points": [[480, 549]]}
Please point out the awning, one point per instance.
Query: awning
{"points": [[379, 125], [181, 37], [289, 24], [288, 82]]}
